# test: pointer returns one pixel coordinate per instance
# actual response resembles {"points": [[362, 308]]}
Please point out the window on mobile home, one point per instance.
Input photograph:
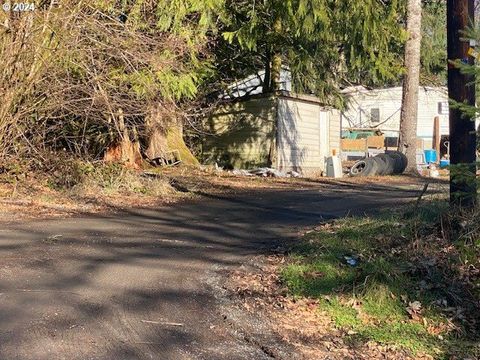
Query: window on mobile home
{"points": [[375, 115]]}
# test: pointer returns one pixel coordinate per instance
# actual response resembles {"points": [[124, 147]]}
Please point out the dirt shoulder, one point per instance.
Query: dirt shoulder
{"points": [[35, 197], [256, 289]]}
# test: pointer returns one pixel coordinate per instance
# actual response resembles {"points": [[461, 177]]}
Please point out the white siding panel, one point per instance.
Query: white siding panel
{"points": [[335, 131], [303, 136], [307, 126]]}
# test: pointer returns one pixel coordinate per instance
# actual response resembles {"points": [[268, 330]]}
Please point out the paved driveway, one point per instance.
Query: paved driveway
{"points": [[133, 285]]}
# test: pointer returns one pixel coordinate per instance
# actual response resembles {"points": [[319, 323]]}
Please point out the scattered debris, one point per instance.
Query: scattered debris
{"points": [[433, 171], [352, 261], [162, 323], [53, 238], [266, 172], [169, 158], [239, 172], [414, 308]]}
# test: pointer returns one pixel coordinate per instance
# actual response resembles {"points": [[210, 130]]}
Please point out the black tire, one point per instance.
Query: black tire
{"points": [[401, 161], [390, 164], [398, 169], [382, 165], [404, 162], [364, 167], [374, 168]]}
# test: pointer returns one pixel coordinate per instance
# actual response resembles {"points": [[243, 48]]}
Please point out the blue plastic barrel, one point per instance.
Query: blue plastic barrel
{"points": [[430, 156], [444, 163]]}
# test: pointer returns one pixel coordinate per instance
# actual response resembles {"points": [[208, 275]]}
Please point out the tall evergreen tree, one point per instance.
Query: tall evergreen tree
{"points": [[411, 81], [325, 43], [434, 43]]}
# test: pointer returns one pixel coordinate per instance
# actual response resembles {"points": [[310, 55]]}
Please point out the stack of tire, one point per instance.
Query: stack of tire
{"points": [[390, 163]]}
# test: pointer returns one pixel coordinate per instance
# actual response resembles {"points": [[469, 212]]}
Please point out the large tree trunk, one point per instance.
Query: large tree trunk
{"points": [[276, 71], [156, 135], [461, 89], [165, 139], [408, 121]]}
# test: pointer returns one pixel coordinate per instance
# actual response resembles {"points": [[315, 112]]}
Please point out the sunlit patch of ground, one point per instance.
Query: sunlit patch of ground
{"points": [[388, 286], [107, 188]]}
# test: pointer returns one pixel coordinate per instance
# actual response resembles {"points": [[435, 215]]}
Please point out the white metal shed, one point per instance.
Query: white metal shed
{"points": [[307, 133]]}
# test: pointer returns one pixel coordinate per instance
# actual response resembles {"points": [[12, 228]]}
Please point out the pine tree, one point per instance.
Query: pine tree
{"points": [[325, 43], [434, 43]]}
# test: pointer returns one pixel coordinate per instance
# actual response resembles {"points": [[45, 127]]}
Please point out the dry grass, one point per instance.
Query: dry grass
{"points": [[64, 187], [102, 189]]}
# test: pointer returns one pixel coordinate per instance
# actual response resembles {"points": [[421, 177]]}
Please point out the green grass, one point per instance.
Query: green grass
{"points": [[370, 300], [390, 327]]}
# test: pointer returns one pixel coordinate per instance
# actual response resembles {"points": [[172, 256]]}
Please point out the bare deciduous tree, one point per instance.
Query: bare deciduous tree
{"points": [[77, 77]]}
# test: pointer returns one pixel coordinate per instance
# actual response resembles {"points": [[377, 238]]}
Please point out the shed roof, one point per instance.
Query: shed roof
{"points": [[280, 94]]}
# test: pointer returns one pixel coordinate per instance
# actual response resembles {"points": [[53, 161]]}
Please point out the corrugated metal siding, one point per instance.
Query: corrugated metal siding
{"points": [[301, 128], [243, 134]]}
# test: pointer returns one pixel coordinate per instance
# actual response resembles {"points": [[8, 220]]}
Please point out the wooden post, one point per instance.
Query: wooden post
{"points": [[461, 89], [436, 136]]}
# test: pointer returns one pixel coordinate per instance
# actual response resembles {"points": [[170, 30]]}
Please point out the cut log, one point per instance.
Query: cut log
{"points": [[125, 151]]}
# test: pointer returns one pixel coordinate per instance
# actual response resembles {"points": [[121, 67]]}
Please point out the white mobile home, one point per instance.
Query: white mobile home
{"points": [[380, 108]]}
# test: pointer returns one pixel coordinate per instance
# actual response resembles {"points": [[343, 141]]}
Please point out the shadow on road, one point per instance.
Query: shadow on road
{"points": [[131, 285]]}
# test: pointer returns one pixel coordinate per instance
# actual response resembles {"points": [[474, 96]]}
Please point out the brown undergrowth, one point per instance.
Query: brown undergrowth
{"points": [[63, 187]]}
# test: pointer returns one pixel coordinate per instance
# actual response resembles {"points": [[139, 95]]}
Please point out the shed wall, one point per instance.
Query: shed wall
{"points": [[335, 131], [304, 135], [242, 134]]}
